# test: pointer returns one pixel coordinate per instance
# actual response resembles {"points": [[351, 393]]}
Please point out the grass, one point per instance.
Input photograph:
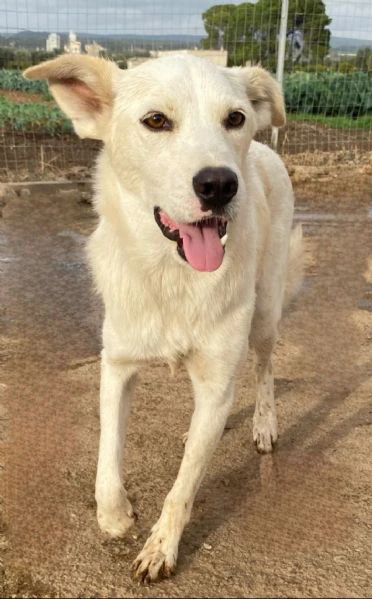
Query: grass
{"points": [[22, 116], [337, 122]]}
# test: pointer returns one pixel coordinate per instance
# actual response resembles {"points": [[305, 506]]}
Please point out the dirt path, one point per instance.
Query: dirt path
{"points": [[297, 523]]}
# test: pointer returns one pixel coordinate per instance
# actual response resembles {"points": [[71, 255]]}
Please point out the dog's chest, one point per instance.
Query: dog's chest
{"points": [[157, 308], [159, 318]]}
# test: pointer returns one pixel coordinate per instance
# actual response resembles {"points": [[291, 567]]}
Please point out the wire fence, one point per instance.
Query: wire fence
{"points": [[326, 82]]}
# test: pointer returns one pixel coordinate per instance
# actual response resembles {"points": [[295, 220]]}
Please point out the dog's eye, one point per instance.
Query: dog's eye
{"points": [[234, 120], [157, 121]]}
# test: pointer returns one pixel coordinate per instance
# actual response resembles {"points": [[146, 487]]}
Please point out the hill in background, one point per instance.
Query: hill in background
{"points": [[37, 39]]}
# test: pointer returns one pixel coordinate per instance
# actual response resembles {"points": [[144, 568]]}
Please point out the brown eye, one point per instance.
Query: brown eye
{"points": [[157, 121], [234, 120]]}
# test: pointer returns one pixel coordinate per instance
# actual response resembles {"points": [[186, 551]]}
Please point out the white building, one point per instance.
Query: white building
{"points": [[73, 46], [53, 42], [94, 49]]}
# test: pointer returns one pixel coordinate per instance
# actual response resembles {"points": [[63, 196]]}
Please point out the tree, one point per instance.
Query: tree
{"points": [[249, 31], [364, 59], [6, 56]]}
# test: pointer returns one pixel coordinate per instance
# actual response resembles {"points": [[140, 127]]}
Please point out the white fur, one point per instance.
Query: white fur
{"points": [[156, 305]]}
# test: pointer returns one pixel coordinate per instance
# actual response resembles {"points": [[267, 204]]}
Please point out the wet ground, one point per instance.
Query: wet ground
{"points": [[296, 523]]}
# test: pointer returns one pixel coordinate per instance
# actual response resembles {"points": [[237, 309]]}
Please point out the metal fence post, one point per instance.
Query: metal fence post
{"points": [[280, 60]]}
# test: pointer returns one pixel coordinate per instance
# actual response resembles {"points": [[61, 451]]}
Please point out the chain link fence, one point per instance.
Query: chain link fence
{"points": [[326, 83]]}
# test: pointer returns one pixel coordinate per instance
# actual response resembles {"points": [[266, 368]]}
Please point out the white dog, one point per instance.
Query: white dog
{"points": [[193, 253]]}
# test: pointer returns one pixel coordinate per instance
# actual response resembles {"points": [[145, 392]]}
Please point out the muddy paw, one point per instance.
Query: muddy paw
{"points": [[151, 565]]}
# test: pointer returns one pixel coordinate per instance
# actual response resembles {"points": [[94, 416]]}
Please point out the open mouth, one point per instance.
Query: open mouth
{"points": [[201, 244]]}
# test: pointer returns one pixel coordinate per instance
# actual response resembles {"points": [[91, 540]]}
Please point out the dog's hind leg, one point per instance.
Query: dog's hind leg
{"points": [[281, 278], [264, 326], [213, 382], [265, 425], [114, 511]]}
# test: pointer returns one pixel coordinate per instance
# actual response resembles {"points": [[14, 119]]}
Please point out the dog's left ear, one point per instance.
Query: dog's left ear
{"points": [[83, 88], [264, 93]]}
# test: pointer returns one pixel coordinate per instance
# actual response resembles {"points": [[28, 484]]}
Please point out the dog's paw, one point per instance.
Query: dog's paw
{"points": [[157, 559], [151, 566], [265, 432], [116, 521]]}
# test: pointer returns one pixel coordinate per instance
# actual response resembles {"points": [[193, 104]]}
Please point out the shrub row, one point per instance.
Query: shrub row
{"points": [[30, 116], [13, 80], [329, 94]]}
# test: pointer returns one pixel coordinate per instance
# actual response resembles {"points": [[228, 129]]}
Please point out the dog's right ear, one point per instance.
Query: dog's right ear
{"points": [[264, 93], [83, 88]]}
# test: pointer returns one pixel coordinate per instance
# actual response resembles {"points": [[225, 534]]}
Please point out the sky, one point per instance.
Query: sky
{"points": [[350, 18]]}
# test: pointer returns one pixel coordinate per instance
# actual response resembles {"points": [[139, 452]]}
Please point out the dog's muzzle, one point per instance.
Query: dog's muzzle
{"points": [[201, 244]]}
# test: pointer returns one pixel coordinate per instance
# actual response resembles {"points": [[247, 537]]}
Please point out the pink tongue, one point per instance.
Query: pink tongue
{"points": [[202, 246]]}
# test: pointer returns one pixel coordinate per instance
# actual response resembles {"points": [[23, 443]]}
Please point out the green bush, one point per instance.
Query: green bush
{"points": [[14, 80], [330, 94], [28, 116], [346, 66]]}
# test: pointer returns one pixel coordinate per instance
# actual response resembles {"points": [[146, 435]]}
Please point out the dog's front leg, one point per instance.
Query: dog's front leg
{"points": [[114, 511], [213, 389]]}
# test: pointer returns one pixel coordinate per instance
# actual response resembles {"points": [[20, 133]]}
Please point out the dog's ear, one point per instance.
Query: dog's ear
{"points": [[265, 95], [83, 88]]}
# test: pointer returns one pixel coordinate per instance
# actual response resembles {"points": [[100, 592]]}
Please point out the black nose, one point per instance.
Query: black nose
{"points": [[215, 187]]}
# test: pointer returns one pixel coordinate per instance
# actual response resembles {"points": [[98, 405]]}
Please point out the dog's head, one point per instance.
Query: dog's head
{"points": [[177, 131]]}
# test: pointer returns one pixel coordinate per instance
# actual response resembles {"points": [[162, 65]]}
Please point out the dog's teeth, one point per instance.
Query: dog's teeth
{"points": [[224, 239]]}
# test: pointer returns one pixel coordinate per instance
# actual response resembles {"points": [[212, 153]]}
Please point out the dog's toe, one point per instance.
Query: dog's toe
{"points": [[151, 565], [158, 557], [115, 527], [115, 523], [264, 443]]}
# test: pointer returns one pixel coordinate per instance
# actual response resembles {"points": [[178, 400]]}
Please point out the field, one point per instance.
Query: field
{"points": [[327, 112]]}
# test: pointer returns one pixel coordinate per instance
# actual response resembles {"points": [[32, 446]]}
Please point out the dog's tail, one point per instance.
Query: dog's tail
{"points": [[295, 268]]}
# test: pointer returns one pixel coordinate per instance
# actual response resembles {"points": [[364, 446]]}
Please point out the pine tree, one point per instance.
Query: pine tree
{"points": [[249, 31]]}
